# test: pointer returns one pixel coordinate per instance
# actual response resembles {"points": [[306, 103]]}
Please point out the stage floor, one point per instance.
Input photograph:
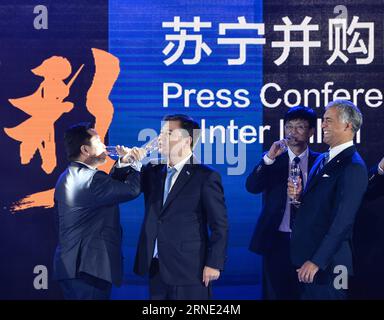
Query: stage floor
{"points": [[237, 292]]}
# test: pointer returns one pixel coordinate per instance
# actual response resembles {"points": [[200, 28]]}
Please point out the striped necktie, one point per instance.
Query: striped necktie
{"points": [[323, 162]]}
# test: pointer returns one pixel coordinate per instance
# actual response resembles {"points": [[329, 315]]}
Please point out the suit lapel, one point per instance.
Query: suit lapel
{"points": [[311, 160], [283, 165], [159, 185], [329, 167], [312, 177], [185, 175]]}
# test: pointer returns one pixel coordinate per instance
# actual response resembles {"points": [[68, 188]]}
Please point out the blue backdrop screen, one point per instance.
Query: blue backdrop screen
{"points": [[137, 38]]}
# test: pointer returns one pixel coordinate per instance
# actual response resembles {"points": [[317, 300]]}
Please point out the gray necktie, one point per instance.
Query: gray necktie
{"points": [[168, 182], [167, 187]]}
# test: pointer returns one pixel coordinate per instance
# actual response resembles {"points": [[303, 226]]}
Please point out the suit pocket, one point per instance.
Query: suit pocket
{"points": [[188, 246]]}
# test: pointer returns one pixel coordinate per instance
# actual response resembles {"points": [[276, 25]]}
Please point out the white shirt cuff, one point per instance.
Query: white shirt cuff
{"points": [[380, 171], [267, 160], [136, 165]]}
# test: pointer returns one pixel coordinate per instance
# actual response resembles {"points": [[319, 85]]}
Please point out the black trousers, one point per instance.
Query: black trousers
{"points": [[315, 291], [159, 290], [280, 280], [323, 287], [86, 287]]}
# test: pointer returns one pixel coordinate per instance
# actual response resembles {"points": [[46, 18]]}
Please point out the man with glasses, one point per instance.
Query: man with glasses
{"points": [[273, 230]]}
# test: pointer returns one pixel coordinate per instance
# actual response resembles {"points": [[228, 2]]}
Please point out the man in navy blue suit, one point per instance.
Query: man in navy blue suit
{"points": [[183, 199], [322, 233], [88, 256], [273, 230]]}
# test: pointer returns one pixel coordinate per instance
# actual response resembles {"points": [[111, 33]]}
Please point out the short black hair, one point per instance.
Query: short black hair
{"points": [[188, 124], [301, 113], [76, 136]]}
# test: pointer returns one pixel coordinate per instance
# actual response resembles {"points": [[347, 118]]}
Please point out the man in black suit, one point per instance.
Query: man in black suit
{"points": [[368, 239], [272, 233], [376, 182], [88, 256], [182, 199], [322, 233]]}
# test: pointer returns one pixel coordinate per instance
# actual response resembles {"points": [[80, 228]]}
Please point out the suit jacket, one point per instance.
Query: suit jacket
{"points": [[271, 180], [324, 222], [88, 221], [375, 184], [195, 202]]}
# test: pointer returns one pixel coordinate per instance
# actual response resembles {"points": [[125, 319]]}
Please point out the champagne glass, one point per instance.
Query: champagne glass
{"points": [[285, 141], [111, 151], [149, 147], [294, 176]]}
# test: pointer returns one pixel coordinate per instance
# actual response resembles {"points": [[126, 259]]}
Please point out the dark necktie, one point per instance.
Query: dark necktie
{"points": [[293, 208]]}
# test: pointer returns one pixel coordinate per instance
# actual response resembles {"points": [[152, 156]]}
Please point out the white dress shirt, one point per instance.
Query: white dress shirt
{"points": [[87, 165], [136, 165], [333, 152], [303, 164]]}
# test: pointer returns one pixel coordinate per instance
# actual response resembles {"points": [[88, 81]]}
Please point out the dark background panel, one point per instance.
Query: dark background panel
{"points": [[28, 238], [369, 252]]}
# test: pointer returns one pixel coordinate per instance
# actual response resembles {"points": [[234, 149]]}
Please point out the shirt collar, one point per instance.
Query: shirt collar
{"points": [[179, 166], [302, 156], [333, 152], [87, 165]]}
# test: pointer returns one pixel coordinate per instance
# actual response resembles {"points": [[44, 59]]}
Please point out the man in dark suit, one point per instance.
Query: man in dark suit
{"points": [[272, 232], [322, 233], [376, 182], [183, 198], [88, 256], [368, 239]]}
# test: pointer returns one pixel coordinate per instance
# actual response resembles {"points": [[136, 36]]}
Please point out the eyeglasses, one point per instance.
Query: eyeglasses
{"points": [[299, 128]]}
